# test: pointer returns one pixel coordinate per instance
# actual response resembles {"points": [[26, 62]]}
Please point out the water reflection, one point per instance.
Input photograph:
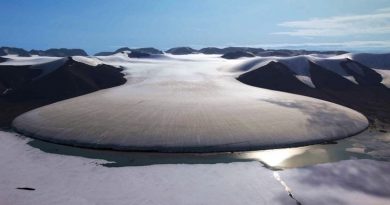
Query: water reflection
{"points": [[274, 157], [369, 144], [303, 156]]}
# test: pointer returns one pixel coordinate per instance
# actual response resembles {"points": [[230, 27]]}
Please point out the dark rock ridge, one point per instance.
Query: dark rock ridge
{"points": [[279, 53], [64, 52], [374, 60], [55, 52], [287, 52], [271, 75], [122, 49], [181, 51], [23, 88], [237, 54], [59, 52], [255, 51], [104, 53], [369, 96], [222, 51], [147, 50], [2, 59], [214, 50], [137, 54], [13, 51]]}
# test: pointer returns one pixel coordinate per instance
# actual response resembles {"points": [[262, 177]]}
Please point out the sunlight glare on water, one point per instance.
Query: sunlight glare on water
{"points": [[275, 157]]}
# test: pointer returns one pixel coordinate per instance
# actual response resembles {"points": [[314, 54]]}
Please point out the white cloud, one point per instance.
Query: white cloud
{"points": [[347, 44], [383, 10], [375, 23], [372, 46]]}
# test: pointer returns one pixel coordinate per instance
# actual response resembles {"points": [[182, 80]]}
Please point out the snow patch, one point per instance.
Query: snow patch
{"points": [[15, 60], [306, 80], [385, 76], [87, 60]]}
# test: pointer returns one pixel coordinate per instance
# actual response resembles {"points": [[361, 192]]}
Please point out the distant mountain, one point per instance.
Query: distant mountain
{"points": [[64, 52], [222, 51], [237, 54], [55, 52], [137, 54], [143, 50], [122, 49], [104, 53], [181, 51], [13, 51], [211, 50], [214, 50], [59, 52], [268, 52], [280, 53], [147, 50], [287, 52], [255, 51]]}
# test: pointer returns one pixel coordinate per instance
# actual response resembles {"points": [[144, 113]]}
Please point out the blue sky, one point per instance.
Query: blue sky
{"points": [[105, 25]]}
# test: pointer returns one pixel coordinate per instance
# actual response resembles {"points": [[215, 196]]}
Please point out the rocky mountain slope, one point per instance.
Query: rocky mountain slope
{"points": [[358, 81], [24, 86]]}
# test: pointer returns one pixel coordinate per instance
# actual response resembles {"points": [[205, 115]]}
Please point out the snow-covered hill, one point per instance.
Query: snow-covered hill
{"points": [[30, 82], [359, 81]]}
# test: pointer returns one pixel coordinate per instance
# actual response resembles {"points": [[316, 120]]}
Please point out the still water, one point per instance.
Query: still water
{"points": [[371, 144]]}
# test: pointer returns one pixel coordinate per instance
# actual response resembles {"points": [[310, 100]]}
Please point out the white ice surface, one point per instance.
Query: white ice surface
{"points": [[68, 180], [358, 182], [92, 61], [33, 60], [182, 103]]}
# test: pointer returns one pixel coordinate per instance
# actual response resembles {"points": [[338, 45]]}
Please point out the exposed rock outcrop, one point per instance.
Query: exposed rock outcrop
{"points": [[138, 54], [181, 51], [237, 54], [59, 52], [147, 50], [368, 95], [13, 51], [23, 88]]}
